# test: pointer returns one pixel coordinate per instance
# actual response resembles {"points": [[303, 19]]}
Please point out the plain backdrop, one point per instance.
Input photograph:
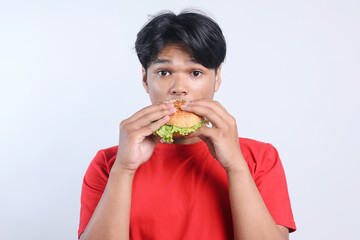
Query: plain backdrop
{"points": [[69, 74]]}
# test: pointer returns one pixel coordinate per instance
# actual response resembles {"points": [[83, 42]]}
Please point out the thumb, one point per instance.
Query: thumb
{"points": [[155, 138]]}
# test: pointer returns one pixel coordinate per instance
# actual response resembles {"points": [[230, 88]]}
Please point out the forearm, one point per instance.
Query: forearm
{"points": [[111, 217], [251, 219]]}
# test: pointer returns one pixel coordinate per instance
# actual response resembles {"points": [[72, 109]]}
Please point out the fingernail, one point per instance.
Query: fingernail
{"points": [[185, 105], [169, 104]]}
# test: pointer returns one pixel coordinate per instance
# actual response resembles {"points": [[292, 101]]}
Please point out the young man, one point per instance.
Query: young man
{"points": [[207, 185]]}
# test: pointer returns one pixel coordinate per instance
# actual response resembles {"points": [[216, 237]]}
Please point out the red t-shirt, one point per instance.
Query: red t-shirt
{"points": [[182, 192]]}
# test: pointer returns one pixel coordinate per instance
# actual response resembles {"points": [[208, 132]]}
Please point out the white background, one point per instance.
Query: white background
{"points": [[69, 74]]}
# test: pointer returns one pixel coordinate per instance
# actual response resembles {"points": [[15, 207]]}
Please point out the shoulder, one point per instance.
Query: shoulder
{"points": [[110, 152], [255, 146], [259, 155], [104, 158], [251, 142]]}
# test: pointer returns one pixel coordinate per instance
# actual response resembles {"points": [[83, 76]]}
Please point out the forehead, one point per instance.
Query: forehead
{"points": [[175, 50]]}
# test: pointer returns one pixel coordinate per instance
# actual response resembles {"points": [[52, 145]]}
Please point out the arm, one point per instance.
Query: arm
{"points": [[251, 219], [111, 218]]}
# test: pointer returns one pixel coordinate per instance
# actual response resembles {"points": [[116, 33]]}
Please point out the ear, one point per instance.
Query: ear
{"points": [[218, 78], [144, 80]]}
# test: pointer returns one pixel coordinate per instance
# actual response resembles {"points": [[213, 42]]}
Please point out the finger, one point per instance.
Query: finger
{"points": [[151, 128], [152, 117], [151, 108], [215, 104], [221, 106], [204, 132], [155, 138], [152, 113], [208, 109]]}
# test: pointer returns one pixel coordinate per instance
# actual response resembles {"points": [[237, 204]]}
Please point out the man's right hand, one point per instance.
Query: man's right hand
{"points": [[111, 218], [136, 140]]}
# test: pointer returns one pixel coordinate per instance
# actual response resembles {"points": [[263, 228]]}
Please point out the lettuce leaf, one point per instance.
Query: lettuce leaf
{"points": [[166, 132]]}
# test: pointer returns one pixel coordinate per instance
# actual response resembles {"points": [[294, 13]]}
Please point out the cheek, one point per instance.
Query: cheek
{"points": [[206, 89], [156, 87], [157, 91]]}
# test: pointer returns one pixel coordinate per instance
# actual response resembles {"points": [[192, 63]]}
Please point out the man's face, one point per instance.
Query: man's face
{"points": [[176, 75]]}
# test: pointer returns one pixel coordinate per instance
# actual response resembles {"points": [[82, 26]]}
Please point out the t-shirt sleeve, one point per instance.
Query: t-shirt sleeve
{"points": [[271, 182], [93, 186]]}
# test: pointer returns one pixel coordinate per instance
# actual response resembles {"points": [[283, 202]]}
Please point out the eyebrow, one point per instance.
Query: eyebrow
{"points": [[160, 61]]}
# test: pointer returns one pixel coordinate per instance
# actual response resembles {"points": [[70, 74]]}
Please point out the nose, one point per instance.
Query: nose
{"points": [[179, 86]]}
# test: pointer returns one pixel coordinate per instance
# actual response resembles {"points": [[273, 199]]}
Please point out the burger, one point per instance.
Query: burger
{"points": [[180, 124]]}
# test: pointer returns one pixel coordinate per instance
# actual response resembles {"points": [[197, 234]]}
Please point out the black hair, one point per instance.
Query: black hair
{"points": [[201, 34]]}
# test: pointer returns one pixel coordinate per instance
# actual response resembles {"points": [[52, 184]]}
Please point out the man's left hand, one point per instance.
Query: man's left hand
{"points": [[222, 137]]}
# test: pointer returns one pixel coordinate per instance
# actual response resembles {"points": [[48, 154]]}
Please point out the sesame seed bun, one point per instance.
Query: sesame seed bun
{"points": [[181, 118], [181, 123]]}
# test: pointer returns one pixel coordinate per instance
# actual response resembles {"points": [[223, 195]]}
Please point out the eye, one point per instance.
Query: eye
{"points": [[196, 73], [163, 73]]}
